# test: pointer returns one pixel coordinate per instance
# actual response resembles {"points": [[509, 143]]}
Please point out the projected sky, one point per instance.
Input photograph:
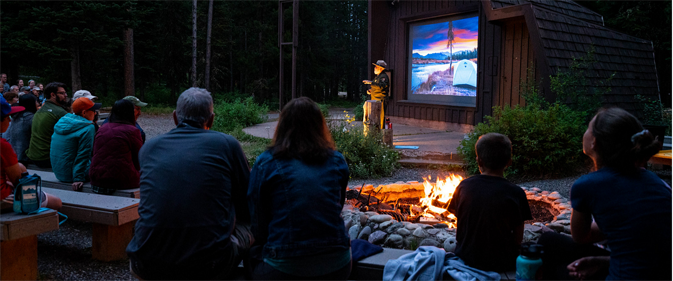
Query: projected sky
{"points": [[432, 38]]}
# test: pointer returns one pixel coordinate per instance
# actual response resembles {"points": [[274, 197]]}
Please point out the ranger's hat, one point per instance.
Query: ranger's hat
{"points": [[381, 63]]}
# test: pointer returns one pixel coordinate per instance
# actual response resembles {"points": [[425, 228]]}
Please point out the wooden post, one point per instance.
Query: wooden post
{"points": [[19, 259], [109, 242], [388, 137], [372, 116]]}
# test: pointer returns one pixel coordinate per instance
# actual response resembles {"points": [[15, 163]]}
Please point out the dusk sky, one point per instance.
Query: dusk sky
{"points": [[432, 38]]}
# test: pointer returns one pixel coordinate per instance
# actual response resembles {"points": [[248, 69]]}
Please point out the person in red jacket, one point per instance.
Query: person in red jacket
{"points": [[11, 170], [115, 152]]}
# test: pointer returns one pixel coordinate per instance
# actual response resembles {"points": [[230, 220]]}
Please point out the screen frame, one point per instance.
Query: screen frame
{"points": [[459, 101]]}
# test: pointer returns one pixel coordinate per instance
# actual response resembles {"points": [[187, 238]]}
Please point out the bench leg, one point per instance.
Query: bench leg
{"points": [[18, 259], [109, 242]]}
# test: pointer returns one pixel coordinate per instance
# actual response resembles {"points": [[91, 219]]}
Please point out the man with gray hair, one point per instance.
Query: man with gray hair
{"points": [[194, 219]]}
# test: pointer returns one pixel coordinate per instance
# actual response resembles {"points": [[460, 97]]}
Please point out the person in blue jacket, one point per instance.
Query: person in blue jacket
{"points": [[296, 193], [72, 143]]}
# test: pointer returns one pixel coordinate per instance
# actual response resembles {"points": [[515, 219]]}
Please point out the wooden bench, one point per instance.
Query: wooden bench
{"points": [[113, 220], [18, 246], [662, 158], [49, 180], [371, 268]]}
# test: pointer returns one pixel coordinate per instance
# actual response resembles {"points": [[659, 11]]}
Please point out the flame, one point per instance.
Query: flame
{"points": [[438, 196]]}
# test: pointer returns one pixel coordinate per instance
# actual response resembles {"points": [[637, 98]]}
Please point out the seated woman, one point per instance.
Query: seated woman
{"points": [[115, 152], [296, 193], [621, 203], [72, 143], [11, 170], [18, 135]]}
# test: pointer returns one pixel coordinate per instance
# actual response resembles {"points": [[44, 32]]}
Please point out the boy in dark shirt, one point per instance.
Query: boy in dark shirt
{"points": [[490, 210]]}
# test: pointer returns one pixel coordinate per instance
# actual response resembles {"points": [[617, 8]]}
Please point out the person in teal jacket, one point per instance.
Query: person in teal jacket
{"points": [[72, 143]]}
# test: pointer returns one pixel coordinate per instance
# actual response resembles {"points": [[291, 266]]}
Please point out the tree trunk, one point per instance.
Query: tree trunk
{"points": [[129, 78], [231, 60], [210, 24], [194, 44], [74, 68]]}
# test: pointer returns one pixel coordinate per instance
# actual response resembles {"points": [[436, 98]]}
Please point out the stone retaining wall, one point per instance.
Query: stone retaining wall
{"points": [[384, 230]]}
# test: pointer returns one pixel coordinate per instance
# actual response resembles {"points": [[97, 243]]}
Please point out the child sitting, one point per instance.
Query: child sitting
{"points": [[490, 210]]}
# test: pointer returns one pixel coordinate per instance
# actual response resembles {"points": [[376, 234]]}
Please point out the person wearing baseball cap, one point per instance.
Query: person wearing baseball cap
{"points": [[37, 92], [380, 86], [137, 109], [83, 94], [72, 143]]}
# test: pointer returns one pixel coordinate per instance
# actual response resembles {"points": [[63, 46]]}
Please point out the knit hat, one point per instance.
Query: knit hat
{"points": [[83, 104]]}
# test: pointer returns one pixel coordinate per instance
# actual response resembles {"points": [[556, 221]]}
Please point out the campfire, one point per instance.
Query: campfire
{"points": [[425, 203]]}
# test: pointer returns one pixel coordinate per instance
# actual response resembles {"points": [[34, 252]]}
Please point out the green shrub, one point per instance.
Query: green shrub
{"points": [[367, 156], [359, 111], [544, 141], [238, 114], [324, 109]]}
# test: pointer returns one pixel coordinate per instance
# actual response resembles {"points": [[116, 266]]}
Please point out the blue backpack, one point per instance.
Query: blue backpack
{"points": [[27, 194]]}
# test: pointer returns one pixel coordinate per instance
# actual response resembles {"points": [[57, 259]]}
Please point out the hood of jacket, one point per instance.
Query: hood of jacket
{"points": [[71, 123]]}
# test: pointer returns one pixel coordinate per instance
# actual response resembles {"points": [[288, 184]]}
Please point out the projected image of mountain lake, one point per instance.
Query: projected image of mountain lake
{"points": [[444, 57], [457, 79]]}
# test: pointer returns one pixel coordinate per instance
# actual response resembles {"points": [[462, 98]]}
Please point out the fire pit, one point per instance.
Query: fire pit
{"points": [[411, 214]]}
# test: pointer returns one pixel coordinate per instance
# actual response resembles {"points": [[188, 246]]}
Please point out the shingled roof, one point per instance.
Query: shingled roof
{"points": [[568, 31], [565, 7]]}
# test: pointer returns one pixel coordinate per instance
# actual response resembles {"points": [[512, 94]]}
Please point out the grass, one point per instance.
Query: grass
{"points": [[252, 146]]}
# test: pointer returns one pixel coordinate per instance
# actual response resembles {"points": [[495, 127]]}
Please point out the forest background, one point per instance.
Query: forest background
{"points": [[82, 44]]}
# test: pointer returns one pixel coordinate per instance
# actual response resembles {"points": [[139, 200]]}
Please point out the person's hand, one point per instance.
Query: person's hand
{"points": [[366, 81], [587, 267], [77, 186]]}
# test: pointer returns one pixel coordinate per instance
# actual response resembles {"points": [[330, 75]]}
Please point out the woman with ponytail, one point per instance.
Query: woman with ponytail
{"points": [[620, 203]]}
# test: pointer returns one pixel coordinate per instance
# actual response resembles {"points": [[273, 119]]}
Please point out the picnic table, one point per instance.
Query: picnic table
{"points": [[662, 158]]}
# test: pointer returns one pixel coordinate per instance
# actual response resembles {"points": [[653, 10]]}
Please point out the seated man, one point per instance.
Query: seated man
{"points": [[43, 123], [72, 143], [11, 170], [490, 210], [194, 219]]}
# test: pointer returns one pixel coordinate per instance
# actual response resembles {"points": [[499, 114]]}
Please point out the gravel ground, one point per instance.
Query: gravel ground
{"points": [[66, 254], [155, 125]]}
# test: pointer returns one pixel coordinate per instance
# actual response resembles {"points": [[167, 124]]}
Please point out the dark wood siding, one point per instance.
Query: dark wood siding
{"points": [[516, 57]]}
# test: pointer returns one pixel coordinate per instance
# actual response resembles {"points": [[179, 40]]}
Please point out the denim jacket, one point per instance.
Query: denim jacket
{"points": [[296, 207]]}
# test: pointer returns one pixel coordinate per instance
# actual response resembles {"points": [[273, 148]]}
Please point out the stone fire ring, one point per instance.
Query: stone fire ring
{"points": [[384, 230]]}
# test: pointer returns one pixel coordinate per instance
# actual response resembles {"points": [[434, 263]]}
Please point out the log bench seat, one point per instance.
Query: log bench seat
{"points": [[371, 268], [113, 220], [18, 246], [49, 180]]}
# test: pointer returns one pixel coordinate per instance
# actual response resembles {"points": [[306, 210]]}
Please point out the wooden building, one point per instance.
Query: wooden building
{"points": [[513, 35]]}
